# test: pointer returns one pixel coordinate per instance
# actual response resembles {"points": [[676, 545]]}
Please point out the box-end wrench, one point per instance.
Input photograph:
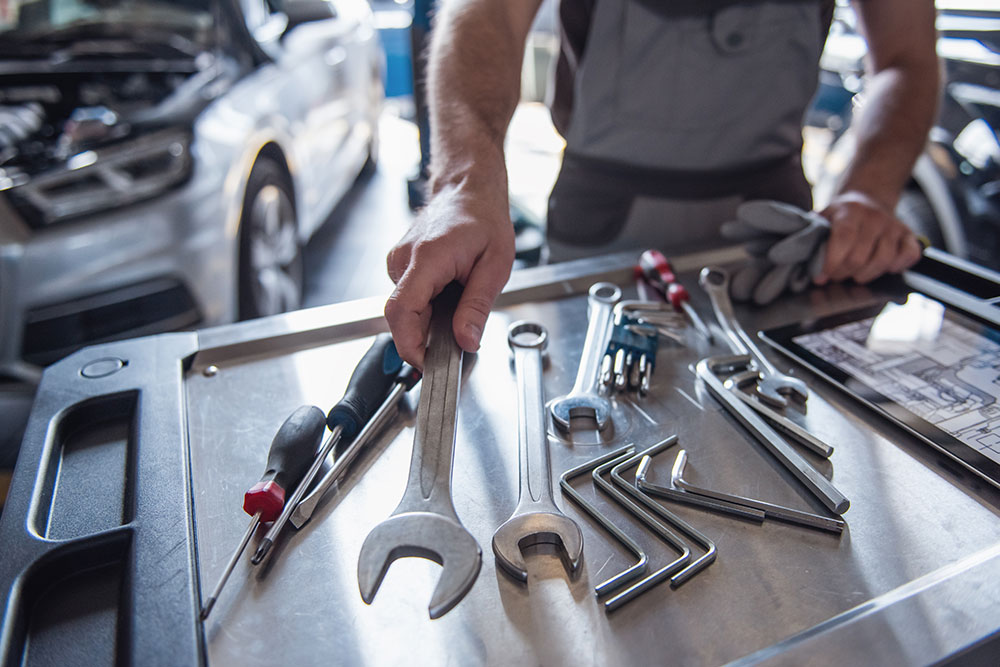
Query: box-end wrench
{"points": [[425, 523], [536, 519], [774, 386], [820, 486], [583, 399]]}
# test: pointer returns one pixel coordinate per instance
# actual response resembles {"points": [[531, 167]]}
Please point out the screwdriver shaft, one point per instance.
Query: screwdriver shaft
{"points": [[698, 323], [300, 490], [210, 602], [305, 508]]}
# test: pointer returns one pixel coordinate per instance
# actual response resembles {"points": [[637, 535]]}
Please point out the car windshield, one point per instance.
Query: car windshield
{"points": [[58, 22]]}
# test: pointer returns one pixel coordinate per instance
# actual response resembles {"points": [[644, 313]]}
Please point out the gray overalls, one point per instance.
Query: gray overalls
{"points": [[674, 112]]}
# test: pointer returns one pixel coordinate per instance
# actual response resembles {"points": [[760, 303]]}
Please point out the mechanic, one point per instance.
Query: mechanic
{"points": [[674, 112]]}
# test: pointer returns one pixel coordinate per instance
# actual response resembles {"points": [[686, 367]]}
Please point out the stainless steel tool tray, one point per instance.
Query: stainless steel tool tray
{"points": [[127, 499]]}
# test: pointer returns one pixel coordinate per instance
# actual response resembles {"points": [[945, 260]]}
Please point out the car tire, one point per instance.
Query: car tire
{"points": [[916, 213], [270, 263]]}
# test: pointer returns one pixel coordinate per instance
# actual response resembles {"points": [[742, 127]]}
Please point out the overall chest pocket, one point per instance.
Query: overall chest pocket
{"points": [[751, 64]]}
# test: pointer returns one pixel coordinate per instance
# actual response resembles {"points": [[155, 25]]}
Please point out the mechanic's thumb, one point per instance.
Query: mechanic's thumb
{"points": [[485, 282]]}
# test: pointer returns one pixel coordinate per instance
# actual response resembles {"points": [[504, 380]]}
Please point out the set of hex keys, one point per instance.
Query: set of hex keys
{"points": [[630, 357], [635, 497]]}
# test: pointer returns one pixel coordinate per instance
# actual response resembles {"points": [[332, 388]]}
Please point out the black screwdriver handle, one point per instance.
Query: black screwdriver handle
{"points": [[294, 445], [366, 391], [291, 452]]}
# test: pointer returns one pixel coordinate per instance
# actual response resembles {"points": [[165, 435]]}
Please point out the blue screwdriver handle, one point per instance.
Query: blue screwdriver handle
{"points": [[370, 383]]}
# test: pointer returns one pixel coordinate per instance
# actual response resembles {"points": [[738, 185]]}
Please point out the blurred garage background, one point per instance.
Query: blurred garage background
{"points": [[176, 164]]}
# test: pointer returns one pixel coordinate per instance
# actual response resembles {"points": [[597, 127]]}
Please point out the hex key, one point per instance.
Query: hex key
{"points": [[673, 493], [708, 545], [771, 511], [811, 478], [632, 572], [668, 536]]}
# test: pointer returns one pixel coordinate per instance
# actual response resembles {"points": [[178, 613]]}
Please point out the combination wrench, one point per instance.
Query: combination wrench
{"points": [[583, 399], [774, 386], [425, 523], [536, 519]]}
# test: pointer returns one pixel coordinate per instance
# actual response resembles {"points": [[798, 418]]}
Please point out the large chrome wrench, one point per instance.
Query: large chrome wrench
{"points": [[774, 386], [425, 524], [583, 399], [536, 519]]}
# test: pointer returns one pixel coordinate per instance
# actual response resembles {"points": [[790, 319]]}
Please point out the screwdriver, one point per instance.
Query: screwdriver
{"points": [[290, 453], [407, 377], [366, 391], [657, 270]]}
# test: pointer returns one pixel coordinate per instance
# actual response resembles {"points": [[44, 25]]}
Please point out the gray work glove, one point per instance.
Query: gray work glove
{"points": [[787, 247]]}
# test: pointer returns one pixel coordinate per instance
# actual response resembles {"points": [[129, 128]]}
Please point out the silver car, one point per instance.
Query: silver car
{"points": [[163, 161]]}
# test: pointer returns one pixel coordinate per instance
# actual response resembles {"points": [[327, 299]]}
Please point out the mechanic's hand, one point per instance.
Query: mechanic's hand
{"points": [[460, 237], [866, 241]]}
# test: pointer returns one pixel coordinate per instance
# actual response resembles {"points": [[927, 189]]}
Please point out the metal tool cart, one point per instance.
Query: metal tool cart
{"points": [[125, 507]]}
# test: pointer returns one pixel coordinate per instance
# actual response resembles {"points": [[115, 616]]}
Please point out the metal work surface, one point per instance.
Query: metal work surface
{"points": [[913, 578]]}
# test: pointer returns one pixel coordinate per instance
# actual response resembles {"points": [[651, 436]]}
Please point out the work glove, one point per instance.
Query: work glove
{"points": [[787, 248]]}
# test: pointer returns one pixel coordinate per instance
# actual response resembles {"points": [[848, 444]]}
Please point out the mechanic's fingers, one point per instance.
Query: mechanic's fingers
{"points": [[408, 309], [910, 252], [839, 245], [408, 326], [863, 251], [881, 259], [397, 260], [485, 282]]}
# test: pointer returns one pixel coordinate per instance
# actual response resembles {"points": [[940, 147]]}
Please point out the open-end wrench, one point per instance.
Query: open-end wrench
{"points": [[536, 519], [583, 399], [425, 524], [735, 383], [774, 386]]}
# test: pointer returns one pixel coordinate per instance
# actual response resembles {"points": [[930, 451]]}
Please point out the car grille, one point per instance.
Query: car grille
{"points": [[52, 332]]}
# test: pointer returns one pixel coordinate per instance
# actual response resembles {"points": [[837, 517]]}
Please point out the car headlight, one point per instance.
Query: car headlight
{"points": [[101, 179]]}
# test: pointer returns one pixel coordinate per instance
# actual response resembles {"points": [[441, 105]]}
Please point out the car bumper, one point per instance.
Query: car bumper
{"points": [[160, 265]]}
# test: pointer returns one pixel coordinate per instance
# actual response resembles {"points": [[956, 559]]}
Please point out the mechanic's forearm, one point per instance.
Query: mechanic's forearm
{"points": [[900, 107], [474, 83], [900, 99]]}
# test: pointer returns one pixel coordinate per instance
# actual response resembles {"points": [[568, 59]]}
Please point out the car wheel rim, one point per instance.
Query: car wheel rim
{"points": [[275, 263]]}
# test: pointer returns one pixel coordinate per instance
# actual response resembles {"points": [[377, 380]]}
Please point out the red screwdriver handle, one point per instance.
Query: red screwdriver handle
{"points": [[656, 267], [292, 451], [677, 295]]}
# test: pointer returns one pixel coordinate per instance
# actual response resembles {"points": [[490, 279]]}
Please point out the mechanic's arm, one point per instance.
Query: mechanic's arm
{"points": [[464, 233], [901, 98]]}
